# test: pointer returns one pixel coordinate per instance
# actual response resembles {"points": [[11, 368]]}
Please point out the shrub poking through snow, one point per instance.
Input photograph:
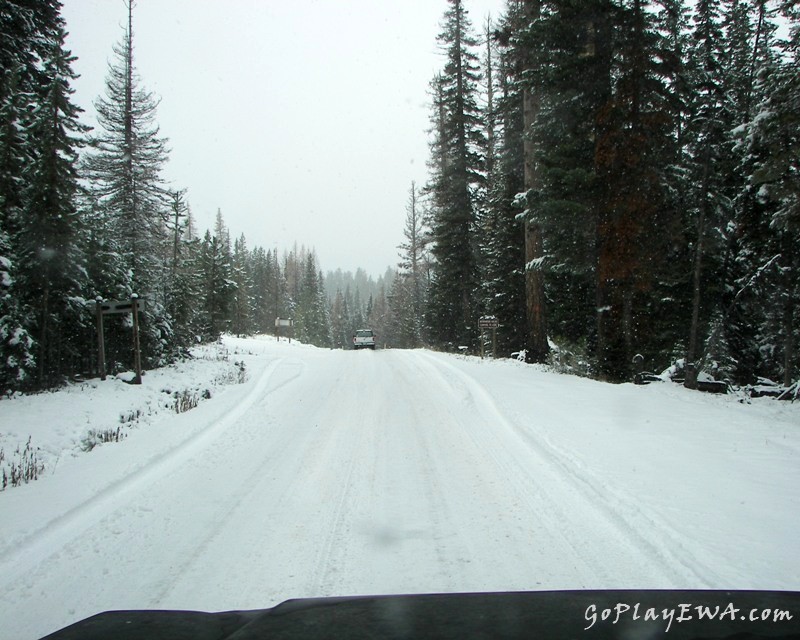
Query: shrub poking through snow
{"points": [[24, 467], [95, 437], [185, 400], [237, 374]]}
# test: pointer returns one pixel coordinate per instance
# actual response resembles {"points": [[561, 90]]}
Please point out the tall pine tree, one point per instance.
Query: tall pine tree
{"points": [[125, 170], [457, 166]]}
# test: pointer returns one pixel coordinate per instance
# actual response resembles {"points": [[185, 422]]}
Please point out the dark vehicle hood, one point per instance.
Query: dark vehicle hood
{"points": [[628, 614]]}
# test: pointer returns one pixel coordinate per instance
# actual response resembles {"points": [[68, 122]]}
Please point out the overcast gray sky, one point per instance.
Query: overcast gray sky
{"points": [[302, 120]]}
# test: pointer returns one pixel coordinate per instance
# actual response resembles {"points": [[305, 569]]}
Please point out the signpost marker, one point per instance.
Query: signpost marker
{"points": [[134, 306], [101, 345], [489, 322], [283, 322], [137, 354]]}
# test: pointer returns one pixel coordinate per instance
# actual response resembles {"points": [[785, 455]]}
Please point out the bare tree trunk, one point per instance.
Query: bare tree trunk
{"points": [[44, 343], [490, 119], [788, 345], [690, 382], [788, 310], [537, 347]]}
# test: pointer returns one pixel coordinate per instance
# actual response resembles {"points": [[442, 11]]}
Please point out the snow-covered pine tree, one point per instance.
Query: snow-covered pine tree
{"points": [[176, 225], [241, 275], [409, 290], [267, 291], [312, 323], [51, 260], [182, 264], [567, 66], [672, 296], [125, 171], [774, 147], [29, 31], [16, 345], [216, 280], [536, 344], [501, 232], [456, 165], [709, 163], [633, 152], [338, 316], [380, 315], [14, 150]]}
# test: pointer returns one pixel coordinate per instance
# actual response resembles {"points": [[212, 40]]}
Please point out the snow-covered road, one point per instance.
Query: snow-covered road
{"points": [[340, 473]]}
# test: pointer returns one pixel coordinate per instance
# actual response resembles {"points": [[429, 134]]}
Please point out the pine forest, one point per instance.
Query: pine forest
{"points": [[617, 182]]}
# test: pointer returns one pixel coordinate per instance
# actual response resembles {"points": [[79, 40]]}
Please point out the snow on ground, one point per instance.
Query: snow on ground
{"points": [[64, 424], [341, 473]]}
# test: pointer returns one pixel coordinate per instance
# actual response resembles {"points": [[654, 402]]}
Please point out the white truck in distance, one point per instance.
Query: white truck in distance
{"points": [[364, 339]]}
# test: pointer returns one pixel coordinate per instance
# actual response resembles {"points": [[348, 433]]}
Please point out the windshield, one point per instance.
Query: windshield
{"points": [[328, 299]]}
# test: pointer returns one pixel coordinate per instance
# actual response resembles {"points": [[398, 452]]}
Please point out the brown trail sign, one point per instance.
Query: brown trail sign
{"points": [[102, 308]]}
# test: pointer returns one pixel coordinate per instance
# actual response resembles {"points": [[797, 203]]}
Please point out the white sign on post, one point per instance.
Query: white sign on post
{"points": [[121, 306]]}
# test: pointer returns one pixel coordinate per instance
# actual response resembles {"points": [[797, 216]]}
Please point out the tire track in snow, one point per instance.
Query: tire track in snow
{"points": [[532, 490], [325, 569], [57, 533], [624, 518], [449, 548], [330, 559], [253, 483]]}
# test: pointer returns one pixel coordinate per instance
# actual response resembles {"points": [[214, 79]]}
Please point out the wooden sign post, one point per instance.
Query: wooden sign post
{"points": [[283, 322], [101, 345], [489, 322], [137, 353], [134, 306]]}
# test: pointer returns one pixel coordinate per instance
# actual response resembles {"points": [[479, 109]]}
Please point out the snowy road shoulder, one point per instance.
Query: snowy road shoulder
{"points": [[58, 424], [705, 475]]}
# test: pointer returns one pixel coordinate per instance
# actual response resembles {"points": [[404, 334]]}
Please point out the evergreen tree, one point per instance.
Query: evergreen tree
{"points": [[216, 284], [379, 317], [16, 344], [263, 296], [48, 247], [125, 171], [634, 225], [241, 323], [708, 210], [774, 150], [401, 331], [127, 163], [176, 226], [15, 151], [34, 79], [339, 325], [312, 323], [536, 345], [409, 292], [457, 172], [184, 308], [502, 238], [571, 74]]}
